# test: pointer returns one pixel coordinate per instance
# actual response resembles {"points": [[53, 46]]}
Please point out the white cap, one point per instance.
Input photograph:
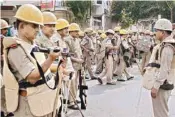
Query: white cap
{"points": [[110, 31], [163, 24]]}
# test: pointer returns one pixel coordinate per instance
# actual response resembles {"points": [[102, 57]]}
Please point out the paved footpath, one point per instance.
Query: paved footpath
{"points": [[126, 99]]}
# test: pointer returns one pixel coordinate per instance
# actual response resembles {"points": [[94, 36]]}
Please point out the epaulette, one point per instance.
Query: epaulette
{"points": [[10, 42], [13, 46]]}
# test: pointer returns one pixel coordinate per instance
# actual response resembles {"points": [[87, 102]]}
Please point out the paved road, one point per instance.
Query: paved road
{"points": [[126, 99]]}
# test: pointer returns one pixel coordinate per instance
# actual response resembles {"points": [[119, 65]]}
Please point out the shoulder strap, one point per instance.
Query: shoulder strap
{"points": [[42, 73], [165, 44]]}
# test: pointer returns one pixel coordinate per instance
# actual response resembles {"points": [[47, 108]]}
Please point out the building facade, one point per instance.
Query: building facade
{"points": [[100, 14]]}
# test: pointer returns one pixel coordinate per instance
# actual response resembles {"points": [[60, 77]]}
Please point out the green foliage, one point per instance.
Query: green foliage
{"points": [[80, 9], [135, 10]]}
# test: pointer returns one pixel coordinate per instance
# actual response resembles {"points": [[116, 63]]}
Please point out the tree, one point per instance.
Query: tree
{"points": [[135, 10], [81, 10]]}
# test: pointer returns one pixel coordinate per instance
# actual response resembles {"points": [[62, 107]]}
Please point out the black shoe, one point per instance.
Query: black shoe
{"points": [[115, 75], [100, 81], [111, 83], [10, 115], [73, 107], [122, 80], [2, 114], [94, 78], [130, 78], [97, 72]]}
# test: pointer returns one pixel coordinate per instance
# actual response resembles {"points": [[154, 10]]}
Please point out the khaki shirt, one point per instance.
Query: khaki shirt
{"points": [[88, 44], [43, 41], [75, 49], [21, 66], [166, 62]]}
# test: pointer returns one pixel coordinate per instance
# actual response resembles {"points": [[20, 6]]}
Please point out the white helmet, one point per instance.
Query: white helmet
{"points": [[163, 24], [110, 31]]}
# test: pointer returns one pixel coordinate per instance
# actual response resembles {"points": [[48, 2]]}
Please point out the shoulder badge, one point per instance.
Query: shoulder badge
{"points": [[13, 46]]}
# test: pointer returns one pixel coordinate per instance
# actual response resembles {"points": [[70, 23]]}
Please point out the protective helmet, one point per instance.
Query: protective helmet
{"points": [[117, 29], [110, 31], [163, 24], [103, 35], [123, 32], [4, 24], [81, 34], [88, 30], [29, 13], [61, 24], [49, 18], [74, 27]]}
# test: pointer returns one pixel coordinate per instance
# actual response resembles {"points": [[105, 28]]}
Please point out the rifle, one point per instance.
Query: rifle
{"points": [[82, 93]]}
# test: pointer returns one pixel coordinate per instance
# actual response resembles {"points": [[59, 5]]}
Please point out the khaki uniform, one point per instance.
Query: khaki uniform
{"points": [[87, 43], [116, 55], [99, 61], [107, 75], [3, 105], [124, 65], [93, 55], [21, 66], [167, 72], [75, 49]]}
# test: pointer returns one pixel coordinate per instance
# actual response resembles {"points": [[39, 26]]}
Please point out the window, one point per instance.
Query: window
{"points": [[99, 1]]}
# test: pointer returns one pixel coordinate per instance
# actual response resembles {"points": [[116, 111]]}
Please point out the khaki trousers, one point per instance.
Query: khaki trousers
{"points": [[99, 67], [160, 103], [74, 88], [108, 74], [88, 66], [119, 68]]}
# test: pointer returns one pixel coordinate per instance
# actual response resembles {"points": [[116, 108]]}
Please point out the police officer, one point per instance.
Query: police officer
{"points": [[100, 54], [125, 56], [47, 31], [146, 54], [88, 49], [163, 85], [94, 41], [81, 35], [117, 42], [108, 74], [76, 58], [29, 98], [4, 29]]}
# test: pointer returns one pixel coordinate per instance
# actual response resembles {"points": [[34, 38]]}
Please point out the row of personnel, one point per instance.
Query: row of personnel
{"points": [[31, 91]]}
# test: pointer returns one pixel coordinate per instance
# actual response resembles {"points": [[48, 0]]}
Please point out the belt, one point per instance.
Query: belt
{"points": [[23, 93], [23, 84]]}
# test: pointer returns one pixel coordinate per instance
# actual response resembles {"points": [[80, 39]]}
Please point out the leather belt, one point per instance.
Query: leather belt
{"points": [[23, 84]]}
